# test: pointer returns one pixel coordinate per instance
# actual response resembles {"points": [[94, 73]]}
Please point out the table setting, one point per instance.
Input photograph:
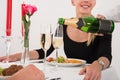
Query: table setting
{"points": [[63, 72]]}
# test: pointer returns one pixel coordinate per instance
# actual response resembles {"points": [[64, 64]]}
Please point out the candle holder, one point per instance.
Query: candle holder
{"points": [[8, 45]]}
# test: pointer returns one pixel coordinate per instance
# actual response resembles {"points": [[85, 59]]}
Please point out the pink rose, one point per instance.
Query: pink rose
{"points": [[28, 9], [31, 9]]}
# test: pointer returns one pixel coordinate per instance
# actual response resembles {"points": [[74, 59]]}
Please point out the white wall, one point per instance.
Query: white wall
{"points": [[48, 12]]}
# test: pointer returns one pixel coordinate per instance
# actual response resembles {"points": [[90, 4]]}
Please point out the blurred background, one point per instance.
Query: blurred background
{"points": [[48, 13]]}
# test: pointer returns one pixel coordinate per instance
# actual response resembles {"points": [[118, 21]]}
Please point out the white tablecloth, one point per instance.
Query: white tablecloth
{"points": [[70, 73]]}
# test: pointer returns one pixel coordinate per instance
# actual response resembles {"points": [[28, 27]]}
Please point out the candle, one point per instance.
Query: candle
{"points": [[9, 18], [22, 21]]}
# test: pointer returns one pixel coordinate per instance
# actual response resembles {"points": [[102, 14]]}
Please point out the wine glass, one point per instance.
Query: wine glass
{"points": [[45, 39], [58, 40]]}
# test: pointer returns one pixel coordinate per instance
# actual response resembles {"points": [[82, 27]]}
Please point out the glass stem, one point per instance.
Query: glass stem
{"points": [[45, 56], [56, 58]]}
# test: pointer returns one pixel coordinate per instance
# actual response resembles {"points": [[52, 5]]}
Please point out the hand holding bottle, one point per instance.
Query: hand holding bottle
{"points": [[99, 16]]}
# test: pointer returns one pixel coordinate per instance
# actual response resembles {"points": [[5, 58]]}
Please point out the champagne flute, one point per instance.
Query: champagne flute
{"points": [[45, 39], [58, 40]]}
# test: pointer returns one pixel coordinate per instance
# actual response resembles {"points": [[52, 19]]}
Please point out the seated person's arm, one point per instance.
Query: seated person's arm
{"points": [[30, 72], [15, 57]]}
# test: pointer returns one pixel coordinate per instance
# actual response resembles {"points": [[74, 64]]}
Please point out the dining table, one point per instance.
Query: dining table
{"points": [[64, 72]]}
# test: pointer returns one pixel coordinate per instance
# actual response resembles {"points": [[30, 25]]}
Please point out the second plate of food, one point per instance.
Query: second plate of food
{"points": [[70, 62]]}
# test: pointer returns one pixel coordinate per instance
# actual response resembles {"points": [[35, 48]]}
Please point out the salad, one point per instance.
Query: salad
{"points": [[1, 70], [60, 59]]}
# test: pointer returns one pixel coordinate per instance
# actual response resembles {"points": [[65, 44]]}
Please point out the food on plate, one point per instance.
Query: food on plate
{"points": [[61, 59], [50, 59], [73, 61], [10, 70]]}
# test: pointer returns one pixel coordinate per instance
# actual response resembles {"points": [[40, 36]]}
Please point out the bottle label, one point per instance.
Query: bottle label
{"points": [[105, 26], [80, 23]]}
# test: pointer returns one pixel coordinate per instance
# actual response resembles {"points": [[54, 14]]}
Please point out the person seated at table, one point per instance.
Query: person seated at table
{"points": [[30, 72], [95, 49]]}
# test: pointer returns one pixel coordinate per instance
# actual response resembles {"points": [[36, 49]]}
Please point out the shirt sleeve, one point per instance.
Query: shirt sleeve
{"points": [[41, 52], [105, 46]]}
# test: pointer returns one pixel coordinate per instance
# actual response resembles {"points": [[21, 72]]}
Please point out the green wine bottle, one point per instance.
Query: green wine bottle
{"points": [[89, 24]]}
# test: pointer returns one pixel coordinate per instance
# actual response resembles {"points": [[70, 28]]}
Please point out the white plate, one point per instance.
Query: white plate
{"points": [[3, 77], [83, 62]]}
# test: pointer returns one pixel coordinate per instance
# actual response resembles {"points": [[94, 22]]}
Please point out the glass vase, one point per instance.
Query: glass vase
{"points": [[25, 53]]}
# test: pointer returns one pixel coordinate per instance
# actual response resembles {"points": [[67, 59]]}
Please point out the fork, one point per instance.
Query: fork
{"points": [[56, 78]]}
